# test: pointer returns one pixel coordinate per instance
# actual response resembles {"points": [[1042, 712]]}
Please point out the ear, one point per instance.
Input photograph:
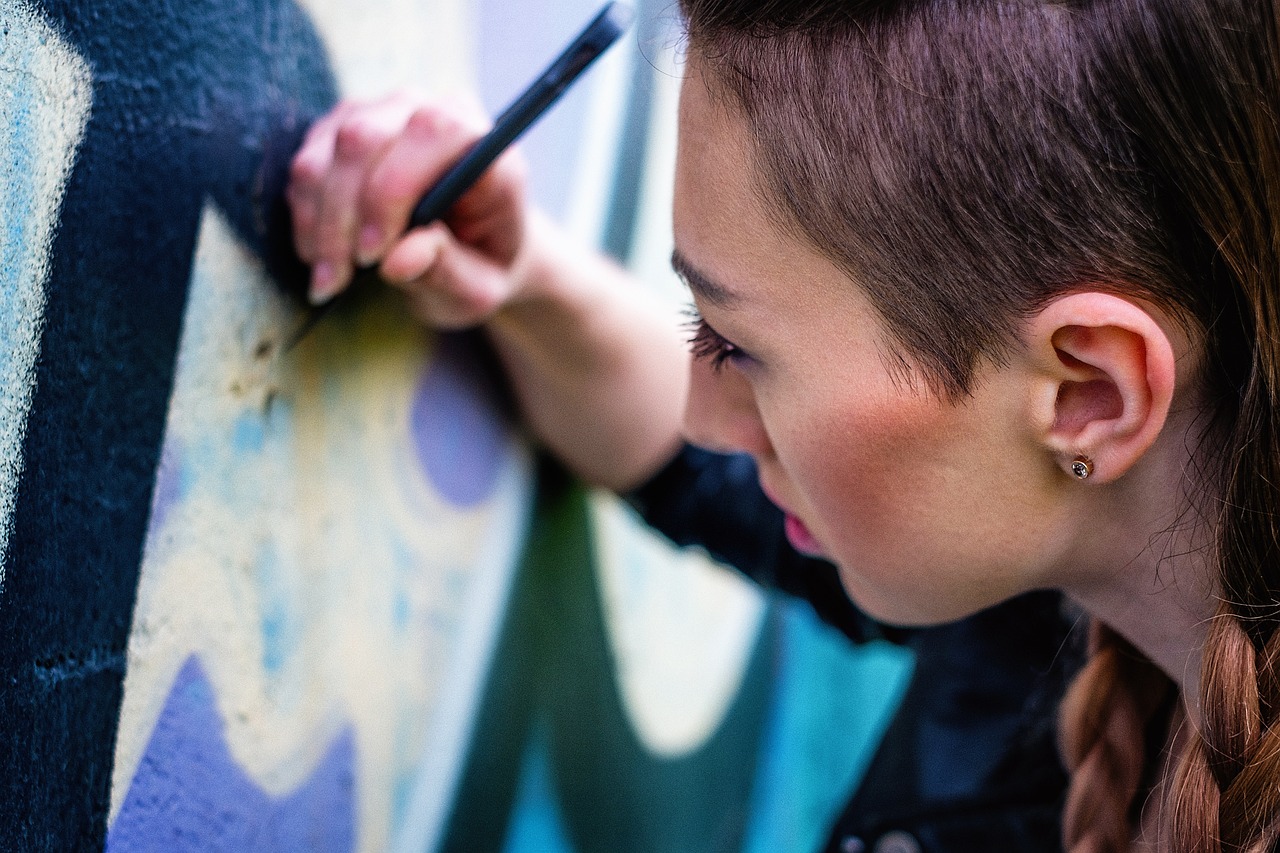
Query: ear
{"points": [[1106, 372]]}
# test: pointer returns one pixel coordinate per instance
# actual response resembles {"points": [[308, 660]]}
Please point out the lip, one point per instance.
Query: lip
{"points": [[798, 534], [801, 539]]}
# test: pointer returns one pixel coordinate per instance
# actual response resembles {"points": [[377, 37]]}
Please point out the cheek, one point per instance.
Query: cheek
{"points": [[869, 468], [892, 490], [861, 459]]}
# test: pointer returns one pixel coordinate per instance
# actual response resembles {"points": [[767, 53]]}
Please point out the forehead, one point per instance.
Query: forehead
{"points": [[741, 258], [712, 154], [718, 210]]}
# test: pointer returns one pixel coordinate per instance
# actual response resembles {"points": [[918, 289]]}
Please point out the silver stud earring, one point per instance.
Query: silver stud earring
{"points": [[1082, 467]]}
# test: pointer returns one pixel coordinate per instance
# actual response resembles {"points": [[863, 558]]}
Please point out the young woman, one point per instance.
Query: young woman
{"points": [[989, 291]]}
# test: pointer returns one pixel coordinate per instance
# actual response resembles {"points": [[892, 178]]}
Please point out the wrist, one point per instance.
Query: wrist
{"points": [[554, 285], [538, 273]]}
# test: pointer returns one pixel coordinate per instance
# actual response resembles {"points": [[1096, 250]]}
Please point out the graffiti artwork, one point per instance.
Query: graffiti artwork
{"points": [[327, 596]]}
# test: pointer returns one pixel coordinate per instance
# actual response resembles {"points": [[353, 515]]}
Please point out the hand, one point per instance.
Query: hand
{"points": [[353, 186]]}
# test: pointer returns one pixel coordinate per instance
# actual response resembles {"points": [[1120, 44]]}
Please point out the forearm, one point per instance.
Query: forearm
{"points": [[598, 363]]}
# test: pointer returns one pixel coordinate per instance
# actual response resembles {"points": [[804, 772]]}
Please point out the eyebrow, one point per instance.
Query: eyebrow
{"points": [[701, 284]]}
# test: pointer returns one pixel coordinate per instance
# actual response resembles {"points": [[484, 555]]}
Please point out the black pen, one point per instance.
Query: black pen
{"points": [[594, 40]]}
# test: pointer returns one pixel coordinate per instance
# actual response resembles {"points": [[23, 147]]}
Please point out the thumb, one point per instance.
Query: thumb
{"points": [[448, 284]]}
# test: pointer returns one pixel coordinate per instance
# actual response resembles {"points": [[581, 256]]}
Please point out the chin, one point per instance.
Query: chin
{"points": [[910, 608]]}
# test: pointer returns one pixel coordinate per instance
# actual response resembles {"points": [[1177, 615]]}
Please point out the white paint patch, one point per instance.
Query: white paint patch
{"points": [[45, 95], [682, 630], [298, 549]]}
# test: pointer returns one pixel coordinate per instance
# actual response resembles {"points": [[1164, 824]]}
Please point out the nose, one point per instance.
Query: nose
{"points": [[721, 412]]}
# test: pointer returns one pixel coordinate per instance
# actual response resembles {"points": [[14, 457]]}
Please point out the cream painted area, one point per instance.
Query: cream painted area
{"points": [[45, 98], [682, 627], [383, 45], [682, 630], [292, 501]]}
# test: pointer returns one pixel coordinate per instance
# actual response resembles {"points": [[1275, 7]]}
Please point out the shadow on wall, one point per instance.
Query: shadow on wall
{"points": [[324, 599]]}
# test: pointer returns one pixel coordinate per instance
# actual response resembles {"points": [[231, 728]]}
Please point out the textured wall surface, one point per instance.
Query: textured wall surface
{"points": [[326, 598]]}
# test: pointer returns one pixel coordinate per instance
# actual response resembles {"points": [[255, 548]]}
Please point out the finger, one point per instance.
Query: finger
{"points": [[414, 255], [307, 173], [433, 140], [489, 217], [359, 144], [448, 284]]}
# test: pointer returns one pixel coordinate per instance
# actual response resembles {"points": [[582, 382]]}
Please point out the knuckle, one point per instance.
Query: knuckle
{"points": [[512, 175], [432, 123], [358, 137], [306, 171], [517, 167]]}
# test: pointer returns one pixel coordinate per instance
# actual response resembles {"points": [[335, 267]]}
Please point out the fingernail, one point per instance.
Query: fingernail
{"points": [[324, 282], [368, 245]]}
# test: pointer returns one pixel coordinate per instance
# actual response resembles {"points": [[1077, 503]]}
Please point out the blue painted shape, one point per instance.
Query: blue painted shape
{"points": [[831, 706], [458, 430], [189, 794], [278, 600], [249, 434]]}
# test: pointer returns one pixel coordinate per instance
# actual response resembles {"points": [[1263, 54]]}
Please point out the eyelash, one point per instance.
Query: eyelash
{"points": [[706, 343]]}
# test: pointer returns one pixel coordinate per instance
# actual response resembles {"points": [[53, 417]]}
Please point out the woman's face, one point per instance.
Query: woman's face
{"points": [[932, 509]]}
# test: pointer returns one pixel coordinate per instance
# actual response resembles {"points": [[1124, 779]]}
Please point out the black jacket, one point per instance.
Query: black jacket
{"points": [[969, 762]]}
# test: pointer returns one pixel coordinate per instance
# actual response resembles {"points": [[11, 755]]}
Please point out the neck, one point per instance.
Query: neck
{"points": [[1147, 566]]}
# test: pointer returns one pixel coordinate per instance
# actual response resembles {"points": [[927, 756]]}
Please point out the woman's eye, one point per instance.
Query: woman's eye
{"points": [[706, 343]]}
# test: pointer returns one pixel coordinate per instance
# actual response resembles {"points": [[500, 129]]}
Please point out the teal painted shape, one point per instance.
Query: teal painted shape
{"points": [[537, 826], [832, 704], [556, 768]]}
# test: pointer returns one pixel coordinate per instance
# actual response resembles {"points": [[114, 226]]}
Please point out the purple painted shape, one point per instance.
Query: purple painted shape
{"points": [[458, 429], [190, 795], [168, 485]]}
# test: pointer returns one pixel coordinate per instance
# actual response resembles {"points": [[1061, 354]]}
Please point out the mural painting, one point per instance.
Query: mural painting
{"points": [[328, 597]]}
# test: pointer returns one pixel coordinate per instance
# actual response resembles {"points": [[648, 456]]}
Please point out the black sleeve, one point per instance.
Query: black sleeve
{"points": [[714, 501]]}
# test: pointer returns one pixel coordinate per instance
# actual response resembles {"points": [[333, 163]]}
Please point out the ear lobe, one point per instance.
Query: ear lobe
{"points": [[1109, 370]]}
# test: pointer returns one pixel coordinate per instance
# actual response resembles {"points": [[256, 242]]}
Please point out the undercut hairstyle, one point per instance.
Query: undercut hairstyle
{"points": [[967, 161]]}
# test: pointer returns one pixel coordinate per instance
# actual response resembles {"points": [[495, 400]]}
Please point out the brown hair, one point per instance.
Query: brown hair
{"points": [[968, 160]]}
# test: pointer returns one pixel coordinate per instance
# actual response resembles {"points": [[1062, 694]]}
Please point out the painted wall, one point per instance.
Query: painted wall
{"points": [[328, 598]]}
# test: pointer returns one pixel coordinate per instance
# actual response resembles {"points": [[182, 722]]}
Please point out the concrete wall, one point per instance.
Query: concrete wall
{"points": [[326, 598]]}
